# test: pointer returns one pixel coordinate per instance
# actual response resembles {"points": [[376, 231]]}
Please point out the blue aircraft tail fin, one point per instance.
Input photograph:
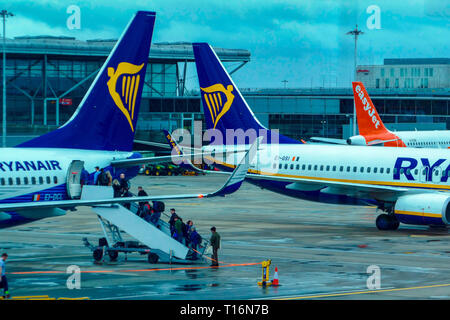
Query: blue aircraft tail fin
{"points": [[223, 105], [107, 116]]}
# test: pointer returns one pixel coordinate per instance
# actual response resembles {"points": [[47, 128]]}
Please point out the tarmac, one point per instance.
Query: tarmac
{"points": [[322, 251]]}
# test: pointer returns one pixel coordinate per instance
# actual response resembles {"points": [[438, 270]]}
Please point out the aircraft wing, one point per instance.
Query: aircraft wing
{"points": [[376, 191], [232, 184], [375, 142], [153, 144], [382, 192], [329, 140]]}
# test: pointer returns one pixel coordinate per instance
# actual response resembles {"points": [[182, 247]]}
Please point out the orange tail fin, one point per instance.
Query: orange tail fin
{"points": [[369, 121]]}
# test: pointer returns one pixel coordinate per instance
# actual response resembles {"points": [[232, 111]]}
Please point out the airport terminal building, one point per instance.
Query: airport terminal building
{"points": [[48, 76]]}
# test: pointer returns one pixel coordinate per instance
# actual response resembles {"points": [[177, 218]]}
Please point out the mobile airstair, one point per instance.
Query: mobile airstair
{"points": [[155, 241]]}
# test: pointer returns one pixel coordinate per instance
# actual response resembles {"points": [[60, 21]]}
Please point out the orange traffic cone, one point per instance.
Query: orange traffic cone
{"points": [[275, 278]]}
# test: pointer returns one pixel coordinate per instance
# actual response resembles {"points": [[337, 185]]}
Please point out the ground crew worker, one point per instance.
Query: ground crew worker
{"points": [[3, 280], [215, 244]]}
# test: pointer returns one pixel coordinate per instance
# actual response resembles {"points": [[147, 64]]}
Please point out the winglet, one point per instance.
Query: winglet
{"points": [[234, 182]]}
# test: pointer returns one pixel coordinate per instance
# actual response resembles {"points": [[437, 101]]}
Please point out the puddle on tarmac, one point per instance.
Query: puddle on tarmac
{"points": [[283, 240], [194, 287]]}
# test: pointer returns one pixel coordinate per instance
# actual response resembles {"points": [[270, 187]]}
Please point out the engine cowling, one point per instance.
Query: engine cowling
{"points": [[423, 209], [357, 141]]}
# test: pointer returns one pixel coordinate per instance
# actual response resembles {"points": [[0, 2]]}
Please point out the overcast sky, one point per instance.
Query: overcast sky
{"points": [[303, 42]]}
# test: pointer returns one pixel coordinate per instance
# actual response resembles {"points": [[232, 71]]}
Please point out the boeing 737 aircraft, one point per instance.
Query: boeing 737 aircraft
{"points": [[41, 177], [372, 131], [410, 185]]}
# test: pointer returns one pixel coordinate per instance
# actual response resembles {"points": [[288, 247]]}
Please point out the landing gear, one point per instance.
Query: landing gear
{"points": [[153, 258], [387, 222], [395, 223]]}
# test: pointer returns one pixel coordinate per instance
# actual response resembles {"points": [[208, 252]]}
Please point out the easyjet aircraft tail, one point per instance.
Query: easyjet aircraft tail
{"points": [[370, 126], [106, 117], [223, 105], [369, 121]]}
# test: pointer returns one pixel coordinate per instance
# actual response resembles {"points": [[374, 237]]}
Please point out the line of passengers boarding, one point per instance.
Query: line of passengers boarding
{"points": [[185, 233]]}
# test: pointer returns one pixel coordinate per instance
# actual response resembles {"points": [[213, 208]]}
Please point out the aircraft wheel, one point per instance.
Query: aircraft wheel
{"points": [[383, 222], [152, 258], [394, 223], [113, 255], [97, 254]]}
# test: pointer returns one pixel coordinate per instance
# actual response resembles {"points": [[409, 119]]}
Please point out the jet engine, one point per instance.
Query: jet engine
{"points": [[357, 141], [423, 209]]}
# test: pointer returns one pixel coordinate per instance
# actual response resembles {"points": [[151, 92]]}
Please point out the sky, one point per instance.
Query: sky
{"points": [[303, 42]]}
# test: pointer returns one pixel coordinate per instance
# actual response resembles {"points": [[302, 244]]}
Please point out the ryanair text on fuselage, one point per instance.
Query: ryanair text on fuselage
{"points": [[9, 166]]}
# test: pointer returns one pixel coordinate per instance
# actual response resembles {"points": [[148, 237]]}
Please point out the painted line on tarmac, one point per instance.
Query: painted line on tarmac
{"points": [[41, 258], [327, 295], [398, 267], [293, 297], [353, 250], [126, 297], [136, 270]]}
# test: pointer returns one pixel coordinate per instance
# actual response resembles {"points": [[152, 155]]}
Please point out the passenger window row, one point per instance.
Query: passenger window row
{"points": [[429, 143], [316, 167], [27, 181], [355, 169]]}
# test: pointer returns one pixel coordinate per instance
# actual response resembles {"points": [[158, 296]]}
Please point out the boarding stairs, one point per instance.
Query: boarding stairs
{"points": [[155, 239]]}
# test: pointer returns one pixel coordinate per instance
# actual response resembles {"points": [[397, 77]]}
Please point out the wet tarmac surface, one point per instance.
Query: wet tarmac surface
{"points": [[321, 251]]}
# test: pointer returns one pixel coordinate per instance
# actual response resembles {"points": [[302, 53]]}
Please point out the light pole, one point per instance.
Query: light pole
{"points": [[355, 33], [285, 82], [4, 14]]}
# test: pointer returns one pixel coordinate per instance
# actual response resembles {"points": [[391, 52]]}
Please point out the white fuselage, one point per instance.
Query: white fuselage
{"points": [[399, 167], [425, 139], [25, 171]]}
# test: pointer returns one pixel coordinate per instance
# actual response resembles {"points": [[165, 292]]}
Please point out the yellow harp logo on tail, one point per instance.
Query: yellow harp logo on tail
{"points": [[130, 86], [219, 100]]}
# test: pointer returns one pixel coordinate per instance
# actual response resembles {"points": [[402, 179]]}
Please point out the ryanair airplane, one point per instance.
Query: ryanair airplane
{"points": [[410, 185], [372, 131], [41, 177]]}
